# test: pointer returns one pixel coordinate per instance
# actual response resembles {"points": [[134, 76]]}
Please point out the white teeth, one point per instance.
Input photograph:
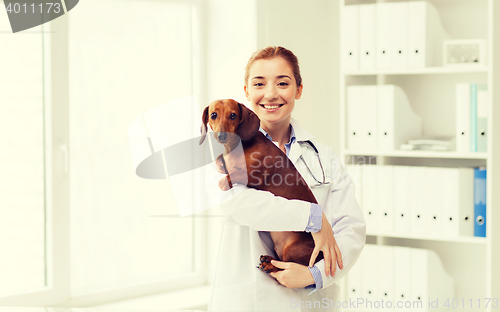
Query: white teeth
{"points": [[271, 106]]}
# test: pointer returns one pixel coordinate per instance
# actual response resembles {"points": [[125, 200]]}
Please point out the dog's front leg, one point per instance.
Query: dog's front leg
{"points": [[236, 176], [225, 183], [221, 164]]}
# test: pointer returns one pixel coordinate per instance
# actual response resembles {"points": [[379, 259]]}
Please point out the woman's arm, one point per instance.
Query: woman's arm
{"points": [[260, 210], [263, 211]]}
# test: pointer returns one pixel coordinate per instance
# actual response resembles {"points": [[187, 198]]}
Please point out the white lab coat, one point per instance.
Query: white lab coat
{"points": [[238, 284]]}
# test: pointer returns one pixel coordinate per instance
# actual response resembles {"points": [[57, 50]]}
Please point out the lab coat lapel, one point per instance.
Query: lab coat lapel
{"points": [[301, 135], [295, 153]]}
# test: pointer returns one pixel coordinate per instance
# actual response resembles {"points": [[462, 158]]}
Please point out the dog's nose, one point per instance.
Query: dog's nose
{"points": [[222, 136]]}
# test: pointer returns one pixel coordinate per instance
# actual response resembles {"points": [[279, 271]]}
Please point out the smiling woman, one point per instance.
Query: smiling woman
{"points": [[257, 218]]}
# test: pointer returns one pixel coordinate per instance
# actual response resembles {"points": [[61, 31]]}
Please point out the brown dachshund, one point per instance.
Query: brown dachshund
{"points": [[264, 167]]}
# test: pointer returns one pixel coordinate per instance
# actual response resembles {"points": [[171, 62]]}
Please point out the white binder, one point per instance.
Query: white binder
{"points": [[354, 117], [355, 280], [458, 201], [371, 277], [433, 201], [367, 36], [429, 280], [417, 202], [482, 118], [383, 40], [426, 35], [402, 276], [368, 114], [356, 173], [397, 122], [402, 186], [350, 23], [462, 115], [385, 268], [370, 198], [399, 16], [385, 184]]}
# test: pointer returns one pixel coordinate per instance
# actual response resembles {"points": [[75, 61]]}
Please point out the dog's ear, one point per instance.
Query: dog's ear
{"points": [[203, 128], [249, 123]]}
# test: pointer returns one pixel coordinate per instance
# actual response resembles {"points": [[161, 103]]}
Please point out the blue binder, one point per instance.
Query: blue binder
{"points": [[480, 202]]}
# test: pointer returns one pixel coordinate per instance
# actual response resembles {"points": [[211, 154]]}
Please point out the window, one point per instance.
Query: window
{"points": [[118, 60]]}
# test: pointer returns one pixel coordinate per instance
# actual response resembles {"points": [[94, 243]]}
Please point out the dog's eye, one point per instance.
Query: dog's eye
{"points": [[213, 115], [232, 116]]}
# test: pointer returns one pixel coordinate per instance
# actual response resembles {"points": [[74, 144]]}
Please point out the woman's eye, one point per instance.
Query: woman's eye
{"points": [[283, 84], [213, 115], [232, 116], [258, 84]]}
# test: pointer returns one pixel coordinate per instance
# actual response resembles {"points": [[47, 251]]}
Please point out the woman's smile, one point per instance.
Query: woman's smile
{"points": [[271, 107]]}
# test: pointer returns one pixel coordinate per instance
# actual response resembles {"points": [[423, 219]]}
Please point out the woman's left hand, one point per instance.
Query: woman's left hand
{"points": [[294, 275]]}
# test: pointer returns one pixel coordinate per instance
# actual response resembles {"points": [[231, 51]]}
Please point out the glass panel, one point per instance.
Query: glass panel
{"points": [[125, 58], [22, 189]]}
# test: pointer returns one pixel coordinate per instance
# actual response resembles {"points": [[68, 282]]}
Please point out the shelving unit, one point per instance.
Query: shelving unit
{"points": [[473, 262], [468, 240], [419, 71], [418, 154]]}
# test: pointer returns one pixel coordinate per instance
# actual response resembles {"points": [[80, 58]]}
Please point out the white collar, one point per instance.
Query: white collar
{"points": [[300, 133]]}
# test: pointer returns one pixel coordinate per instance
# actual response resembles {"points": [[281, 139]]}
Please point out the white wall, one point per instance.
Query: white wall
{"points": [[310, 29], [231, 40]]}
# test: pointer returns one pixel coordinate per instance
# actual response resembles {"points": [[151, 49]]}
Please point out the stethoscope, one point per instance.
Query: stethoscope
{"points": [[318, 183]]}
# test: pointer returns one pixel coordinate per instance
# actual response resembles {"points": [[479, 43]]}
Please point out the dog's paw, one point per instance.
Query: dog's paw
{"points": [[266, 266], [266, 259]]}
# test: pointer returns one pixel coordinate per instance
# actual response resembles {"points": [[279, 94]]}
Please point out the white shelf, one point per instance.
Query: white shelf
{"points": [[460, 239], [418, 154], [472, 261], [421, 71]]}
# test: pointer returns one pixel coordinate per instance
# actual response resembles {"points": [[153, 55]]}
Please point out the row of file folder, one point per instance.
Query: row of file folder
{"points": [[380, 117], [416, 200], [406, 279], [392, 35], [471, 117]]}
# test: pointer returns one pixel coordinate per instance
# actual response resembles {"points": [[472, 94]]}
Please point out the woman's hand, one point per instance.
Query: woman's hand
{"points": [[294, 275], [325, 242]]}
